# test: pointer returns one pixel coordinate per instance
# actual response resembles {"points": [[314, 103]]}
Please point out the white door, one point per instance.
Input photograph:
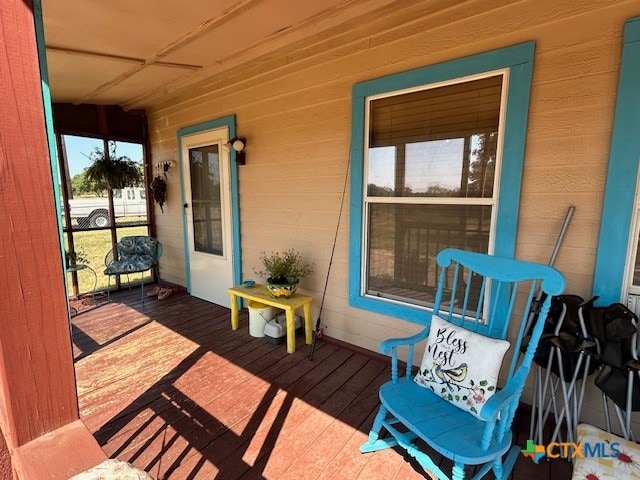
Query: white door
{"points": [[205, 164]]}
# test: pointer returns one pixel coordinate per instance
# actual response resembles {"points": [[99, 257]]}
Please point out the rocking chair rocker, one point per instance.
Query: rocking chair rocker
{"points": [[460, 414]]}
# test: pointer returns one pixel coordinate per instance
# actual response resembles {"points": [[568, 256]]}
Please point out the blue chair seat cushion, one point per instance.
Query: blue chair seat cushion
{"points": [[132, 264], [135, 254], [449, 430]]}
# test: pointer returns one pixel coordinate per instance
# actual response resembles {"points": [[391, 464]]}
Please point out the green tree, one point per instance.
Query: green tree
{"points": [[81, 185], [374, 190], [482, 172]]}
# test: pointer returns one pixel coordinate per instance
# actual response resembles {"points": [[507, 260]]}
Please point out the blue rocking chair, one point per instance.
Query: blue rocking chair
{"points": [[475, 303]]}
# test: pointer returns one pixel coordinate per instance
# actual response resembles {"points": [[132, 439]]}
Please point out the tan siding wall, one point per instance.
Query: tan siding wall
{"points": [[296, 115]]}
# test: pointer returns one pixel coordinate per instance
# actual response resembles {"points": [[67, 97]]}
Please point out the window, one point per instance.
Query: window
{"points": [[431, 163], [617, 245], [633, 261], [437, 158]]}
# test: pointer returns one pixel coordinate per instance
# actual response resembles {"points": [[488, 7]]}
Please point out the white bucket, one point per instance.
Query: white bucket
{"points": [[259, 315]]}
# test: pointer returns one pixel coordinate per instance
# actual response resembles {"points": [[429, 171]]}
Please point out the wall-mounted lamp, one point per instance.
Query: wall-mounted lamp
{"points": [[239, 144]]}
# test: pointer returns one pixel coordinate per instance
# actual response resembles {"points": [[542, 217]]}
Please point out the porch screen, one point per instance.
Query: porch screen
{"points": [[430, 182]]}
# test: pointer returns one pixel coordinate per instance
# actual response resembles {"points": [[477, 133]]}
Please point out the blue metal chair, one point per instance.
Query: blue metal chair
{"points": [[132, 254], [478, 293]]}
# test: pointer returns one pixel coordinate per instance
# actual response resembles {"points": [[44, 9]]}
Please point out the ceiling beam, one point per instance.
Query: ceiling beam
{"points": [[155, 59], [272, 42], [120, 58]]}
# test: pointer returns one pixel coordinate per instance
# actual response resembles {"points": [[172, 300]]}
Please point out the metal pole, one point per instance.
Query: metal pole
{"points": [[563, 231]]}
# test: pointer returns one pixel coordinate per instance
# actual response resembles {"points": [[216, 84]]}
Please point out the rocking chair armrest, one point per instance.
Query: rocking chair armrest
{"points": [[388, 345], [502, 398]]}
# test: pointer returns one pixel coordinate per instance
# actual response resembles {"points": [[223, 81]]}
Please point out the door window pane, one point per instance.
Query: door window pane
{"points": [[206, 201]]}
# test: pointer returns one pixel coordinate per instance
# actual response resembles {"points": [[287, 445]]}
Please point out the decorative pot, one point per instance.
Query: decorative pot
{"points": [[282, 289]]}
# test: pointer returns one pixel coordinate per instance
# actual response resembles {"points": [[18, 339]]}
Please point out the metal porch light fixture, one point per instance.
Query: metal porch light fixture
{"points": [[239, 144]]}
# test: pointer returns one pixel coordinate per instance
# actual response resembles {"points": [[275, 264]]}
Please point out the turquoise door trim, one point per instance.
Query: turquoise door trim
{"points": [[230, 123], [48, 118], [518, 59], [622, 174]]}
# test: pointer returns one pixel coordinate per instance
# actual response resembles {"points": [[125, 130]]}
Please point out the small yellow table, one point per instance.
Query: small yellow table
{"points": [[261, 294]]}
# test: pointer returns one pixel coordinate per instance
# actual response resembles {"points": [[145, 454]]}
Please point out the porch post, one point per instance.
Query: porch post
{"points": [[37, 384]]}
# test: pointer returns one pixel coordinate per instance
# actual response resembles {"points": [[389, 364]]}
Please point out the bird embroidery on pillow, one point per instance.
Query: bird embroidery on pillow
{"points": [[456, 375], [446, 376]]}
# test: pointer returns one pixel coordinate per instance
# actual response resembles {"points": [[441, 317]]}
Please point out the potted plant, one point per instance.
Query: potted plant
{"points": [[283, 271], [113, 171], [72, 259]]}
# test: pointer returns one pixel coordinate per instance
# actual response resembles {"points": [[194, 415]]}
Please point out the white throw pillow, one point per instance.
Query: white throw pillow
{"points": [[461, 366]]}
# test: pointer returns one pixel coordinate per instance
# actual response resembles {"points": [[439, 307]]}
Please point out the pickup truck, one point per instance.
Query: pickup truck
{"points": [[94, 211]]}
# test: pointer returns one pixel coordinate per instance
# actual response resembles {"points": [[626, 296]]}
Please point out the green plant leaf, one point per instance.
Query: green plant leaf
{"points": [[114, 171]]}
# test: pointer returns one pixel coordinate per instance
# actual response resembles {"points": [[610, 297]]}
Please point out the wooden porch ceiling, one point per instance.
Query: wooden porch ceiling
{"points": [[169, 387], [135, 53]]}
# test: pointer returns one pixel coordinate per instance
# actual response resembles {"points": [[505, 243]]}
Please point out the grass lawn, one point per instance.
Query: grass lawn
{"points": [[95, 245]]}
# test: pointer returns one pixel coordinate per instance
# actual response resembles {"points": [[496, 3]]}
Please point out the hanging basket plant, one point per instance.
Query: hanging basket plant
{"points": [[113, 171], [159, 188]]}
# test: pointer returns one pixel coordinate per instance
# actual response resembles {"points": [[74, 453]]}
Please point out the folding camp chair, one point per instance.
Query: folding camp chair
{"points": [[616, 328], [564, 360]]}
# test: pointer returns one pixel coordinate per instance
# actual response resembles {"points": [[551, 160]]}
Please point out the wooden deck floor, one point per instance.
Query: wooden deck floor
{"points": [[170, 388]]}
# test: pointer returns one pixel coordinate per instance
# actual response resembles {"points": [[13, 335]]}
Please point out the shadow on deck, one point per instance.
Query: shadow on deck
{"points": [[170, 388]]}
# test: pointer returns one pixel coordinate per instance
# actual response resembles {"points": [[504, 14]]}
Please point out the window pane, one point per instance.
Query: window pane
{"points": [[86, 199], [131, 208], [636, 269], [439, 142], [381, 173], [206, 199], [405, 239]]}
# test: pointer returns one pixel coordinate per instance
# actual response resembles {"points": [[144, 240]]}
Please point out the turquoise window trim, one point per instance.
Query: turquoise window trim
{"points": [[518, 59], [622, 174], [230, 123]]}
